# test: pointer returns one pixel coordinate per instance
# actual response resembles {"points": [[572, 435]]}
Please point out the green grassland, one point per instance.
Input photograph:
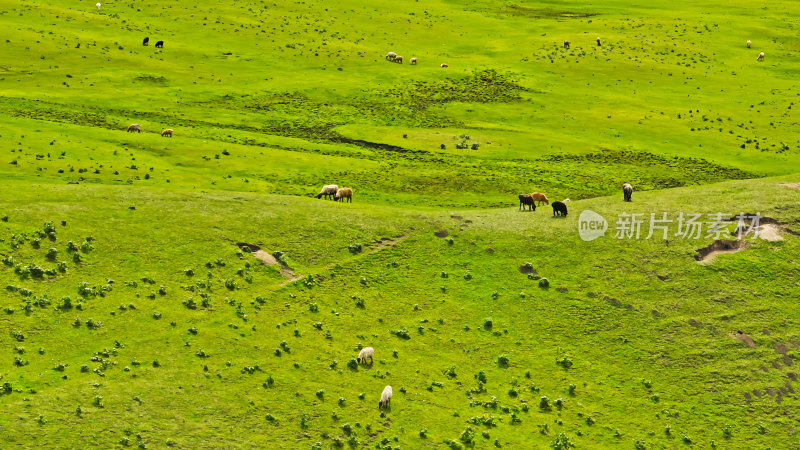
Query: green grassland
{"points": [[133, 317]]}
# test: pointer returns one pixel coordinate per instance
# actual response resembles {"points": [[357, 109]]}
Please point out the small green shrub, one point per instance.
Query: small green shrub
{"points": [[502, 361]]}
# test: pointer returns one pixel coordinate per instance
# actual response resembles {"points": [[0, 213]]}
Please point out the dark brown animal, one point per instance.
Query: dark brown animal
{"points": [[526, 199], [627, 191], [146, 41], [559, 209], [160, 44]]}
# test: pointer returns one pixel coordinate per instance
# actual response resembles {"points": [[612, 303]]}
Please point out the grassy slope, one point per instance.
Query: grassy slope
{"points": [[699, 372], [279, 106]]}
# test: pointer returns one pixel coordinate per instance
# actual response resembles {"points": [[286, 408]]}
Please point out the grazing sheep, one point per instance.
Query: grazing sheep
{"points": [[444, 65], [598, 42], [541, 198], [760, 57], [566, 200], [566, 44], [135, 127], [167, 132], [749, 43], [365, 353], [559, 209], [399, 60], [526, 199], [412, 61], [160, 44], [146, 41], [627, 191], [386, 397], [344, 193], [328, 191], [391, 56], [98, 6]]}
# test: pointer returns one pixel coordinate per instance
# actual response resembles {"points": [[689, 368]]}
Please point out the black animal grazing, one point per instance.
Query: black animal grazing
{"points": [[526, 199], [146, 41], [559, 209], [566, 44], [627, 191], [160, 44]]}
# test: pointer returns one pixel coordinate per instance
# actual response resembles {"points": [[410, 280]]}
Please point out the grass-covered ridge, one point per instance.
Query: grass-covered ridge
{"points": [[135, 314]]}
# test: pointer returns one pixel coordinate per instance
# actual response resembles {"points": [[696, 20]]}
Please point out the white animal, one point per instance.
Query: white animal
{"points": [[386, 396], [412, 60], [98, 6], [328, 191], [760, 57], [365, 353], [749, 43], [444, 65], [566, 200], [391, 56]]}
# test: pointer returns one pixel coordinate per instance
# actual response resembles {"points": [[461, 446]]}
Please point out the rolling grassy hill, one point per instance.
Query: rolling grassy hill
{"points": [[136, 313]]}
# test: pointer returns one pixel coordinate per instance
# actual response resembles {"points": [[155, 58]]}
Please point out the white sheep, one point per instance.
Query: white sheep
{"points": [[566, 200], [412, 61], [444, 65], [386, 396], [98, 6], [399, 60], [760, 57], [365, 353], [598, 42], [749, 43], [328, 190], [391, 56]]}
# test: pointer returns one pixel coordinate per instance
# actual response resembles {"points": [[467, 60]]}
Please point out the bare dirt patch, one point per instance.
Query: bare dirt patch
{"points": [[744, 338], [441, 233], [718, 247], [389, 242], [526, 269], [265, 257], [792, 185]]}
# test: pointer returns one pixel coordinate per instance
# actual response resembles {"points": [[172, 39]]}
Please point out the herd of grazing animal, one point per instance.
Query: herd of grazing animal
{"points": [[146, 42], [333, 191], [136, 128], [560, 208], [386, 395], [394, 57]]}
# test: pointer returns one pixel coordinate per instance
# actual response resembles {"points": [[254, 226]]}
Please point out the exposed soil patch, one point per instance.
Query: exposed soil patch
{"points": [[265, 257], [744, 338], [694, 323], [441, 233], [662, 278], [769, 229], [526, 269], [613, 301], [792, 185], [457, 217], [792, 376], [720, 246], [389, 242], [561, 289], [489, 250], [781, 348]]}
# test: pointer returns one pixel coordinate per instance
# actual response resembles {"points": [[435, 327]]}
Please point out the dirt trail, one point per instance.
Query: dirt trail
{"points": [[289, 273]]}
